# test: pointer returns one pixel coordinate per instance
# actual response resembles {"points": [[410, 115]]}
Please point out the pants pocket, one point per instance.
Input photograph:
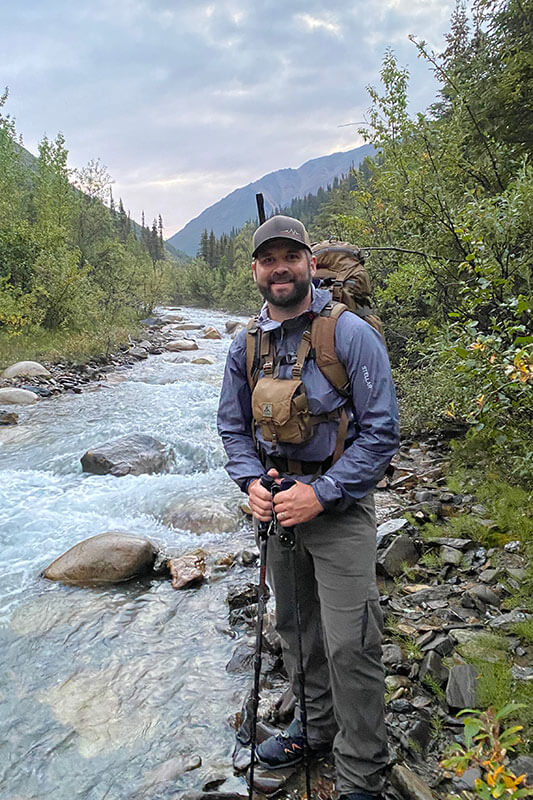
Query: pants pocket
{"points": [[372, 627]]}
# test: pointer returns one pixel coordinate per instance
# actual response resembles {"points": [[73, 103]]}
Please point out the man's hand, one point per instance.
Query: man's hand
{"points": [[296, 505], [261, 499]]}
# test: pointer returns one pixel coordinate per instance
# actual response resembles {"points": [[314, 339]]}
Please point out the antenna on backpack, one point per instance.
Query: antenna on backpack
{"points": [[260, 200]]}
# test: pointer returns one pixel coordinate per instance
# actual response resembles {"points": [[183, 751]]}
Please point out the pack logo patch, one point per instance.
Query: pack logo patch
{"points": [[267, 410]]}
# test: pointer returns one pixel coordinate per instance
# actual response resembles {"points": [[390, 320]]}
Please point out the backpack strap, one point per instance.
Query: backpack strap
{"points": [[323, 343], [259, 353]]}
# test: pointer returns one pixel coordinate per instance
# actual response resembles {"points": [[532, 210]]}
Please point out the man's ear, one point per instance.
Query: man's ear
{"points": [[253, 271], [312, 265]]}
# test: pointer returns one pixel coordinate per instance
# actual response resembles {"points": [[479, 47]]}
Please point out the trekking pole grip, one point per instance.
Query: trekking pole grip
{"points": [[267, 482], [285, 535]]}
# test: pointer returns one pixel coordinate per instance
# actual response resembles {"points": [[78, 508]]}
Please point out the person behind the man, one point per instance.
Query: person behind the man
{"points": [[331, 506]]}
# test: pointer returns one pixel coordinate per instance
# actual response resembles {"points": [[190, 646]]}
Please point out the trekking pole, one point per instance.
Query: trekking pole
{"points": [[287, 539], [263, 530]]}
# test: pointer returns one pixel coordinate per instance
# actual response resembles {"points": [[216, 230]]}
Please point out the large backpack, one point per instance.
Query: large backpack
{"points": [[340, 268]]}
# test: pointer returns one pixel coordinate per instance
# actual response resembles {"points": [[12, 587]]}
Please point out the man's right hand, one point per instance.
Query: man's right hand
{"points": [[261, 499]]}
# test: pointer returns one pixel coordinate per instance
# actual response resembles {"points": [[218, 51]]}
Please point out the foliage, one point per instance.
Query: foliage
{"points": [[486, 746], [68, 262]]}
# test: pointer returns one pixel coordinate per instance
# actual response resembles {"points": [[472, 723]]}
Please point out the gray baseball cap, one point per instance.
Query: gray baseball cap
{"points": [[281, 227]]}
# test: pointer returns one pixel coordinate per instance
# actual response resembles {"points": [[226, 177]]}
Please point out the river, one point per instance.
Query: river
{"points": [[100, 687]]}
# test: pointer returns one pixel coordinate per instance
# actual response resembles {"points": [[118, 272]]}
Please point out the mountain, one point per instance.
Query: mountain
{"points": [[279, 189]]}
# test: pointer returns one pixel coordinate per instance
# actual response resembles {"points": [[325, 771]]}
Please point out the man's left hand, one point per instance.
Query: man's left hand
{"points": [[297, 504]]}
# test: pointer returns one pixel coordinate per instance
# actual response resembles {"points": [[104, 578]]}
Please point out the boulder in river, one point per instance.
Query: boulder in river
{"points": [[211, 333], [111, 557], [17, 397], [202, 515], [26, 369], [181, 344], [129, 455]]}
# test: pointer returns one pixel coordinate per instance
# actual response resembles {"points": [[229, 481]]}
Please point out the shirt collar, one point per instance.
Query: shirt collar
{"points": [[319, 299]]}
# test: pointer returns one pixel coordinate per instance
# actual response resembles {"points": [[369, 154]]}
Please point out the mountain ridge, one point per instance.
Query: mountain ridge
{"points": [[279, 188]]}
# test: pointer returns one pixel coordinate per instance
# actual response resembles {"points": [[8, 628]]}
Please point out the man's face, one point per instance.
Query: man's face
{"points": [[283, 272]]}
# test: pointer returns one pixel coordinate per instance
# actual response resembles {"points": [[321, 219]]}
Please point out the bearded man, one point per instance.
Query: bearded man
{"points": [[290, 421]]}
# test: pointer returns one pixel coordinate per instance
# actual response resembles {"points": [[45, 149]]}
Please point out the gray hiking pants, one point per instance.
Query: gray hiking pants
{"points": [[341, 627]]}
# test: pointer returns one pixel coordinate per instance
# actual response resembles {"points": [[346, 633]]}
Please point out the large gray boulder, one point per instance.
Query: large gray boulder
{"points": [[13, 397], [129, 455], [111, 557], [26, 369]]}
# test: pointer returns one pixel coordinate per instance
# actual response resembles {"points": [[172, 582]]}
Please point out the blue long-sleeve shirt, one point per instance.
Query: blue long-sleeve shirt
{"points": [[373, 431]]}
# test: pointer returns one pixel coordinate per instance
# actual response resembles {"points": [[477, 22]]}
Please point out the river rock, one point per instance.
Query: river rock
{"points": [[17, 397], [240, 327], [231, 324], [138, 352], [187, 570], [172, 769], [181, 344], [211, 333], [202, 515], [461, 686], [8, 418], [189, 326], [203, 360], [111, 557], [129, 455], [26, 369]]}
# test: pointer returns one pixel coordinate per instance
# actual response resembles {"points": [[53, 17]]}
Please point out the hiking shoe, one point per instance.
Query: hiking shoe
{"points": [[360, 795], [287, 748]]}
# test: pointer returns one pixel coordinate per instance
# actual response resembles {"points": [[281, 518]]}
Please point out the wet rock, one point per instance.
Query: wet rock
{"points": [[189, 326], [432, 665], [451, 541], [129, 455], [177, 345], [410, 785], [187, 570], [512, 547], [17, 397], [400, 552], [111, 557], [249, 557], [242, 596], [8, 418], [461, 686], [242, 660], [231, 324], [26, 369], [213, 796], [172, 316], [211, 333], [138, 352], [213, 781], [424, 496], [202, 515], [237, 330], [203, 360], [172, 769]]}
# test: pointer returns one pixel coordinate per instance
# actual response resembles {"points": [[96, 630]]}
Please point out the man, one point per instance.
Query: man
{"points": [[330, 505]]}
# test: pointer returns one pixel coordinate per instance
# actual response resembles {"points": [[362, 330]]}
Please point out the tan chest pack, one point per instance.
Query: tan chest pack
{"points": [[279, 405]]}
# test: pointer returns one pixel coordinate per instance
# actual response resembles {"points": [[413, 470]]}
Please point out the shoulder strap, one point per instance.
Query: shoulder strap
{"points": [[258, 350], [323, 343]]}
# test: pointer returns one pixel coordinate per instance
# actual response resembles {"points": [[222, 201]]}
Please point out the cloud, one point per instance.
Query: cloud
{"points": [[186, 101], [316, 23]]}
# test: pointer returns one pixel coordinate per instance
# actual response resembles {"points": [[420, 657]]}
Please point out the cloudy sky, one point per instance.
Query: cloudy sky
{"points": [[185, 101]]}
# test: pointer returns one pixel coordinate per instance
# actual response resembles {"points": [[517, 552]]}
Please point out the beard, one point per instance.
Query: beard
{"points": [[294, 297]]}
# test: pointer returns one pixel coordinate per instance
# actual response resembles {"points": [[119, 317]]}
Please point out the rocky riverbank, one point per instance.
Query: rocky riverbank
{"points": [[168, 331]]}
